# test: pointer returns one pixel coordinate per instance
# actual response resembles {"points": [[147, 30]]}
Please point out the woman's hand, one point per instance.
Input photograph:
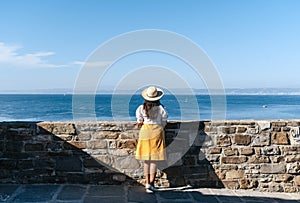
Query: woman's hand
{"points": [[139, 124]]}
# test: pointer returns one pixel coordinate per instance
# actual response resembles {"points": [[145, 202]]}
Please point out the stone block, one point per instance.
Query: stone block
{"points": [[14, 146], [234, 159], [276, 129], [293, 123], [34, 147], [264, 125], [290, 150], [213, 157], [63, 128], [104, 160], [235, 174], [196, 170], [214, 150], [128, 162], [259, 159], [291, 189], [99, 144], [211, 129], [280, 138], [270, 150], [262, 139], [231, 151], [246, 151], [294, 135], [293, 168], [69, 164], [244, 183], [174, 158], [129, 135], [63, 137], [231, 184], [45, 162], [253, 130], [275, 187], [297, 180], [278, 123], [111, 144], [110, 126], [90, 163], [293, 158], [189, 160], [283, 178], [130, 144], [277, 159], [119, 177], [173, 171], [82, 137], [54, 146], [240, 139], [25, 164], [8, 164], [78, 145], [273, 168], [228, 130], [241, 129], [119, 152], [223, 140], [286, 129]]}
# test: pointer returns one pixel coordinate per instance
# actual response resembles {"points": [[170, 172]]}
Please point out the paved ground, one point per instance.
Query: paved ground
{"points": [[135, 194]]}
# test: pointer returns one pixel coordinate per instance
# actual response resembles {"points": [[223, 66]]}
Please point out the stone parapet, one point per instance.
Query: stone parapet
{"points": [[242, 154]]}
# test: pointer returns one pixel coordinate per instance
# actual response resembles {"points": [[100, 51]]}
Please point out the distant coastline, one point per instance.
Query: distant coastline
{"points": [[228, 91]]}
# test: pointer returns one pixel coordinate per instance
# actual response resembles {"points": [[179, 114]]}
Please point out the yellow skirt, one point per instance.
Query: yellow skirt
{"points": [[151, 144]]}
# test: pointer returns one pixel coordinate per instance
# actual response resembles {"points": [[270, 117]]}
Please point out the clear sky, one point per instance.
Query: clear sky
{"points": [[253, 43]]}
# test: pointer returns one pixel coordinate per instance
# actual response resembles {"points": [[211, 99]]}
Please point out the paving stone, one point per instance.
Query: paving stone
{"points": [[104, 200], [106, 190], [6, 191], [229, 199], [36, 193], [72, 192], [255, 199], [173, 195], [203, 198], [181, 201], [137, 194]]}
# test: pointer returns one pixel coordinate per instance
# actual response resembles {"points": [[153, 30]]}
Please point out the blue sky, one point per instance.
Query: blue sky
{"points": [[252, 43]]}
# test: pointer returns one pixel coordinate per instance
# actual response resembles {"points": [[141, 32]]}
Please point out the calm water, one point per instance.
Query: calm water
{"points": [[122, 107]]}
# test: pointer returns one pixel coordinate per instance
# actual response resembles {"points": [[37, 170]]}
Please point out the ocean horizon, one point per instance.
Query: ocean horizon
{"points": [[180, 91], [59, 107]]}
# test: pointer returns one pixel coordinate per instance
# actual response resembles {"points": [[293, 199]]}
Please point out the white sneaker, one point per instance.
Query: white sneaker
{"points": [[150, 188]]}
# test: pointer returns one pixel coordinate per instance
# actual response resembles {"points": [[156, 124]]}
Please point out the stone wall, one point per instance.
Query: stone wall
{"points": [[262, 155]]}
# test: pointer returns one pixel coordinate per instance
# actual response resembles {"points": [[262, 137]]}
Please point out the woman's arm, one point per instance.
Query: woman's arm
{"points": [[139, 116], [164, 116]]}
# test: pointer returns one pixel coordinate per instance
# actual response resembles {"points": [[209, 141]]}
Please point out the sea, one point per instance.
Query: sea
{"points": [[66, 107]]}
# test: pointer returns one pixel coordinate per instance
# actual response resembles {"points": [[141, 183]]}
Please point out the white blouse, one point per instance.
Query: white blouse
{"points": [[160, 120]]}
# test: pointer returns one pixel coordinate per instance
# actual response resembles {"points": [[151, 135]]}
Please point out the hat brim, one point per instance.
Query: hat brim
{"points": [[160, 94]]}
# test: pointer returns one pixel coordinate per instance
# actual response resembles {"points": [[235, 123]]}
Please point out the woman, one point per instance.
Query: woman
{"points": [[152, 118]]}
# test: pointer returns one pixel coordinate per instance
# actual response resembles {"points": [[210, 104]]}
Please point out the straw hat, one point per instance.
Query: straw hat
{"points": [[152, 93]]}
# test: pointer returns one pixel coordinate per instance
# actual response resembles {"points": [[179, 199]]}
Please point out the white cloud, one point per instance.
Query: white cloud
{"points": [[9, 55], [92, 63]]}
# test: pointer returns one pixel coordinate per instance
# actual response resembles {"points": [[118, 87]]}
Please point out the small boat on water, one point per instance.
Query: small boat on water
{"points": [[265, 106]]}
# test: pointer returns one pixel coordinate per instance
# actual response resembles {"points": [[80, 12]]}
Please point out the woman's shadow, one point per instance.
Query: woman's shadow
{"points": [[187, 164]]}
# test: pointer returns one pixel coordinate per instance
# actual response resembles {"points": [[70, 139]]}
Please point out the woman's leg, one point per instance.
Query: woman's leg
{"points": [[147, 171], [153, 169]]}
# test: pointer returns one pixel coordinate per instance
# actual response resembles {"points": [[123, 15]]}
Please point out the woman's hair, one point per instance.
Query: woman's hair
{"points": [[151, 108]]}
